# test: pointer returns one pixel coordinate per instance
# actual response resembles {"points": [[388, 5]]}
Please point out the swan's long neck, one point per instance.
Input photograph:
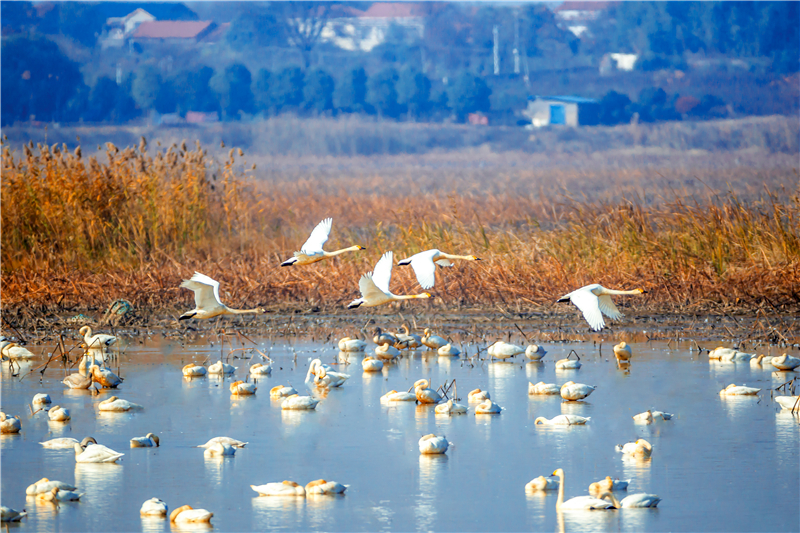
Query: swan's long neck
{"points": [[560, 491], [354, 248], [613, 291], [229, 311], [410, 296], [443, 255]]}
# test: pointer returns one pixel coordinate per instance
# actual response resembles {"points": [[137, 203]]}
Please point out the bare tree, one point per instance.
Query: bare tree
{"points": [[304, 23]]}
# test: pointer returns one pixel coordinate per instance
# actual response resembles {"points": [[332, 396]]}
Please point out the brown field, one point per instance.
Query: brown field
{"points": [[700, 231]]}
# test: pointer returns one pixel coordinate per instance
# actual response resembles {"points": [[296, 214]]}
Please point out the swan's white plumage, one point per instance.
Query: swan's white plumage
{"points": [[543, 388], [285, 488], [563, 420], [96, 453], [432, 444], [451, 408], [154, 507], [318, 238]]}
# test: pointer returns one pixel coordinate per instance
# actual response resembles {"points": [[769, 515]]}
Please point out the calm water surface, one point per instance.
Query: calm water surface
{"points": [[719, 465]]}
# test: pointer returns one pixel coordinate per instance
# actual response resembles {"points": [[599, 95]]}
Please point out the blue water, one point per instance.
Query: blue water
{"points": [[719, 465]]}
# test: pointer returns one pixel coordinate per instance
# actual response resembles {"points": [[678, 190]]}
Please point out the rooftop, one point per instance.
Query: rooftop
{"points": [[171, 29]]}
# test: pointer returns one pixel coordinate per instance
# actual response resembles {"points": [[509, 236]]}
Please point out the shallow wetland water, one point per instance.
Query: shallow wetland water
{"points": [[719, 465]]}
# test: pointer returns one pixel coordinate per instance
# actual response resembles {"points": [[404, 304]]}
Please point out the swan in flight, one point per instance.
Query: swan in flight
{"points": [[431, 444], [148, 441], [154, 507], [312, 251], [579, 502], [542, 483], [424, 265], [206, 299], [594, 301], [374, 286], [563, 420]]}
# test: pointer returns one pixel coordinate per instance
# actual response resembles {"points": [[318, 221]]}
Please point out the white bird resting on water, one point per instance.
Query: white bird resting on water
{"points": [[579, 502], [206, 299], [312, 251], [97, 344], [594, 301], [7, 514], [432, 444], [374, 286], [785, 362], [424, 265]]}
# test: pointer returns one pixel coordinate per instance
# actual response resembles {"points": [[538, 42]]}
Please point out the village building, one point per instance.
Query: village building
{"points": [[561, 110]]}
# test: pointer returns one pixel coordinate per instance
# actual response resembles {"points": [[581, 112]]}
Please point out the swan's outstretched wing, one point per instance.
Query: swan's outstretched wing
{"points": [[382, 274], [369, 291], [608, 308], [589, 305], [206, 290], [318, 237], [423, 266], [444, 262]]}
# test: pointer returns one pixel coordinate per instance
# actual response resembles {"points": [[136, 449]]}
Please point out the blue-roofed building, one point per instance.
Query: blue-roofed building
{"points": [[562, 110]]}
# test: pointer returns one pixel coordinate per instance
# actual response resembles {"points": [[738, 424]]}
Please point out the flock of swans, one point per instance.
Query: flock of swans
{"points": [[593, 301]]}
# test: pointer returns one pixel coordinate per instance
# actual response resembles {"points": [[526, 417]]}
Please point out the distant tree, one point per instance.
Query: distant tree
{"points": [[262, 97], [286, 92], [303, 23], [382, 94], [146, 83], [653, 106], [614, 108], [166, 98], [256, 26], [81, 21], [318, 91], [413, 91], [232, 87], [710, 106], [468, 94], [193, 91], [350, 93], [102, 100], [37, 79]]}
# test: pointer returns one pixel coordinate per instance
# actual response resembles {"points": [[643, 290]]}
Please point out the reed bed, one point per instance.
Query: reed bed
{"points": [[80, 231]]}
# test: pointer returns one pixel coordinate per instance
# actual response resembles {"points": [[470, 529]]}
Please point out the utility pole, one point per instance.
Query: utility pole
{"points": [[516, 42], [496, 34]]}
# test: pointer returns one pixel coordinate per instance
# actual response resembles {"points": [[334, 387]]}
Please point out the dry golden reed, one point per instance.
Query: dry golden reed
{"points": [[80, 231]]}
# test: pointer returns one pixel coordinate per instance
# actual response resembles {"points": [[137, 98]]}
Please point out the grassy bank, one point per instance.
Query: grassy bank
{"points": [[80, 231]]}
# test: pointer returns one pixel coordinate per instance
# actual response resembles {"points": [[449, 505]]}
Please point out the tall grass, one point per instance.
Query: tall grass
{"points": [[79, 231]]}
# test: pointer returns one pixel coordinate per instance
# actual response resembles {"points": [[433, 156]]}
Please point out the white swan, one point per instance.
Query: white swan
{"points": [[148, 441], [347, 344], [66, 443], [424, 393], [58, 414], [325, 377], [411, 340], [13, 351], [760, 360], [622, 352], [572, 391], [534, 352], [371, 365], [394, 396], [282, 391], [78, 380], [224, 440], [57, 495], [194, 371], [295, 402], [260, 369], [374, 286], [7, 514], [98, 343], [639, 500], [320, 486], [41, 399], [488, 407], [504, 350], [432, 444], [729, 355], [383, 337], [608, 485], [594, 301], [118, 404], [789, 402], [434, 342], [387, 352], [286, 488], [219, 449], [186, 514], [206, 299], [451, 408], [543, 388], [569, 364], [9, 423], [240, 388], [478, 395], [96, 453], [648, 416], [739, 390], [424, 265], [312, 251], [542, 483], [579, 502], [221, 368], [154, 507], [563, 420], [105, 377], [448, 350], [785, 362], [639, 448], [45, 485]]}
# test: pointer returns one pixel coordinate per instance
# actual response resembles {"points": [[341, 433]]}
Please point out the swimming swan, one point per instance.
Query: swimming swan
{"points": [[312, 251], [186, 513], [394, 396], [194, 371], [488, 407], [260, 369], [594, 301], [432, 444], [739, 390], [374, 286], [240, 388], [95, 453], [282, 391], [434, 342], [785, 362], [608, 485], [572, 391], [569, 364], [639, 500], [789, 402], [45, 485], [579, 502], [105, 377], [286, 488], [448, 350], [206, 299], [154, 507], [9, 423], [639, 448], [534, 352], [320, 486], [424, 265], [219, 449], [504, 350], [221, 368], [478, 395], [347, 344], [57, 495], [300, 403], [66, 443], [563, 420], [224, 440], [7, 514], [118, 404], [542, 483], [148, 441]]}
